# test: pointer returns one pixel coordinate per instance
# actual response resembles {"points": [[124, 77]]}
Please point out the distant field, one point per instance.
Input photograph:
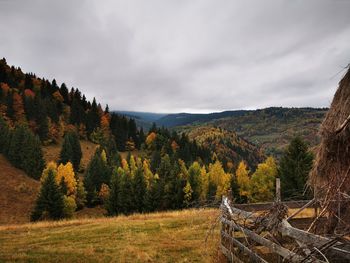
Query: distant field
{"points": [[160, 237]]}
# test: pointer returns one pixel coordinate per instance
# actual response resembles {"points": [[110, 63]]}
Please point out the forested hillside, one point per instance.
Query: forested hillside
{"points": [[270, 129], [273, 128], [167, 170], [227, 145]]}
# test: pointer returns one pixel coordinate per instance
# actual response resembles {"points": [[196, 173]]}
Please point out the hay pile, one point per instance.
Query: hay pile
{"points": [[330, 177]]}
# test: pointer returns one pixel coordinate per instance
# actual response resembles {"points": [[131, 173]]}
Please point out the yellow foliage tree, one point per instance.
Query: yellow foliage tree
{"points": [[243, 180], [132, 166], [204, 184], [219, 179], [104, 156], [263, 181], [66, 171], [125, 166], [188, 194], [147, 173]]}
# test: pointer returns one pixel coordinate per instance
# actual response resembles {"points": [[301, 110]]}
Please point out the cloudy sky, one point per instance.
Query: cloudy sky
{"points": [[183, 55]]}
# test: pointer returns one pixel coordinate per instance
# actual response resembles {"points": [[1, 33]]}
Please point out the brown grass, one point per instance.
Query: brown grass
{"points": [[17, 194], [159, 237]]}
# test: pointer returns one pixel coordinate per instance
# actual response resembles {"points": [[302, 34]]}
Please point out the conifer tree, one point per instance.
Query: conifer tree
{"points": [[71, 150], [294, 169], [33, 161], [153, 195], [114, 204], [140, 188], [50, 200], [97, 173], [127, 194], [80, 197]]}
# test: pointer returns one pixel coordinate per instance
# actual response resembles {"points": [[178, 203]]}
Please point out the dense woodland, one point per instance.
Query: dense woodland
{"points": [[168, 171]]}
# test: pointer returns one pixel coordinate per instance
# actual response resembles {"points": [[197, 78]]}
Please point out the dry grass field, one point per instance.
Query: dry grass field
{"points": [[159, 237], [17, 193]]}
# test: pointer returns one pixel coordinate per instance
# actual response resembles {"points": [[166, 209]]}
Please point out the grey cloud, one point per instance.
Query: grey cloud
{"points": [[174, 56]]}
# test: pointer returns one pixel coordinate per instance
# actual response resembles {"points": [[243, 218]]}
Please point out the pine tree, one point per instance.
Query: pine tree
{"points": [[80, 197], [50, 200], [294, 169], [127, 194], [114, 204], [140, 188], [153, 195], [33, 161], [97, 173], [71, 150]]}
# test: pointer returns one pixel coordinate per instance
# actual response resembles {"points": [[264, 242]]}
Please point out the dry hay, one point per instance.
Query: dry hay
{"points": [[330, 177]]}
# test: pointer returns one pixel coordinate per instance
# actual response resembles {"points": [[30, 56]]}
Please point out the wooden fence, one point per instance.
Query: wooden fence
{"points": [[269, 237]]}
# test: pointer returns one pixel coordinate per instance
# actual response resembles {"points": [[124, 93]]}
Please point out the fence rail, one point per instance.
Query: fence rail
{"points": [[246, 236]]}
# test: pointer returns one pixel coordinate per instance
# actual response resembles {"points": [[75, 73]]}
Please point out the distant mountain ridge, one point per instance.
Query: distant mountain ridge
{"points": [[179, 119]]}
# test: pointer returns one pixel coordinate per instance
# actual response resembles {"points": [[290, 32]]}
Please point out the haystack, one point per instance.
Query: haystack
{"points": [[330, 177]]}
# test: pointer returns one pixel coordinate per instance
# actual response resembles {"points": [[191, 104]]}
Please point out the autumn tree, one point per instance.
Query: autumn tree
{"points": [[219, 181], [66, 172], [262, 185], [243, 181]]}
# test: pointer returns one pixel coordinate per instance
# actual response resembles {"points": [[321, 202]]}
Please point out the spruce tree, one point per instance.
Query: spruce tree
{"points": [[33, 161], [114, 202], [50, 200], [71, 150], [294, 169], [97, 173], [139, 190]]}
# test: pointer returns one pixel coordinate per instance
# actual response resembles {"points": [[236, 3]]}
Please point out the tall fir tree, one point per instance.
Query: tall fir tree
{"points": [[114, 204], [50, 200], [71, 150], [294, 169], [140, 189]]}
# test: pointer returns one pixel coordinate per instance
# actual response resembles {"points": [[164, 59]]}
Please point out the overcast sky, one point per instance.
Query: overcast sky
{"points": [[183, 55]]}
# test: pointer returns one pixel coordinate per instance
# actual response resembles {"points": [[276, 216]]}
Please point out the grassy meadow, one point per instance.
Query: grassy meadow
{"points": [[159, 237]]}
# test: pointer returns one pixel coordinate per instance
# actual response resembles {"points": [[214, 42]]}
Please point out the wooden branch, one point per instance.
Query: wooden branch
{"points": [[343, 125], [301, 209], [229, 255], [254, 257], [285, 253]]}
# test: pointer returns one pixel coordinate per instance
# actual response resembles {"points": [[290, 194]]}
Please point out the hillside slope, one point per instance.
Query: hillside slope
{"points": [[160, 237], [273, 128], [227, 145], [17, 193]]}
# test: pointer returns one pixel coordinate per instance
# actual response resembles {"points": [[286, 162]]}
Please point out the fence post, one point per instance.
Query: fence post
{"points": [[278, 190]]}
